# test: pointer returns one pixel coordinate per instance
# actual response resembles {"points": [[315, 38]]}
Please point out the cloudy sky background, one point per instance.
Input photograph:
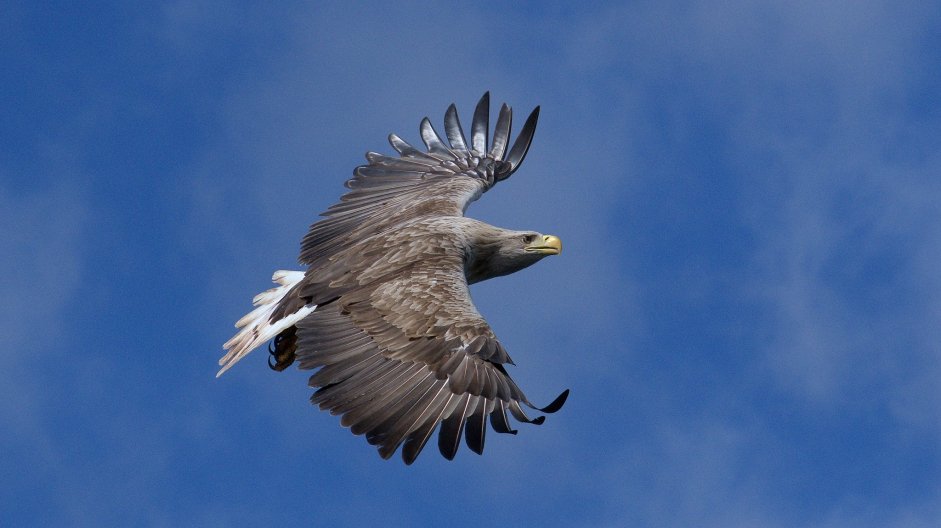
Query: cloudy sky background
{"points": [[747, 309]]}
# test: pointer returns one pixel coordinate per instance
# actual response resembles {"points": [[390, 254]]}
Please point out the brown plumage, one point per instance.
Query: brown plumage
{"points": [[383, 312]]}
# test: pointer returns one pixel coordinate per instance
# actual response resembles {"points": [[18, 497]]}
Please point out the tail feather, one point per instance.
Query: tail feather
{"points": [[257, 327]]}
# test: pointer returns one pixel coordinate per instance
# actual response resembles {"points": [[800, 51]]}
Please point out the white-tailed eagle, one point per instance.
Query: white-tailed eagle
{"points": [[383, 312]]}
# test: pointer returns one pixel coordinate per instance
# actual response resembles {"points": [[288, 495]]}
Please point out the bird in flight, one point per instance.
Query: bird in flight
{"points": [[384, 314]]}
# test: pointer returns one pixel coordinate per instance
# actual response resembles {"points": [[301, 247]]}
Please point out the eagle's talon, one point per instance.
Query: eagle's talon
{"points": [[280, 364], [279, 361]]}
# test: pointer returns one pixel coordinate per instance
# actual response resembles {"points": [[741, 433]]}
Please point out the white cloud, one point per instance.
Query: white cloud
{"points": [[41, 233], [816, 99], [700, 473], [712, 472]]}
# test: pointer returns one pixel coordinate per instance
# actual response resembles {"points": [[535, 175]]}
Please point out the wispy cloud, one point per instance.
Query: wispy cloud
{"points": [[41, 232]]}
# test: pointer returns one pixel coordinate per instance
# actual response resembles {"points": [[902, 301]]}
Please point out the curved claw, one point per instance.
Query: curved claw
{"points": [[280, 364], [279, 361]]}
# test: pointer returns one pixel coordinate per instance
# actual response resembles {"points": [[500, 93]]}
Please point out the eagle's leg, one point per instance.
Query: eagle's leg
{"points": [[282, 349]]}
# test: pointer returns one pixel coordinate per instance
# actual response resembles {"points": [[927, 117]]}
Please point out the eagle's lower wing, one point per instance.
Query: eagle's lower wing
{"points": [[441, 181], [400, 356]]}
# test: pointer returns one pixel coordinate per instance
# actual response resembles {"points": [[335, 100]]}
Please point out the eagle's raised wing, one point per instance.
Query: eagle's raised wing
{"points": [[440, 182], [401, 355]]}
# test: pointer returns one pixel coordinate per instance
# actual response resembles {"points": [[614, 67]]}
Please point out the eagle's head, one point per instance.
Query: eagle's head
{"points": [[500, 252]]}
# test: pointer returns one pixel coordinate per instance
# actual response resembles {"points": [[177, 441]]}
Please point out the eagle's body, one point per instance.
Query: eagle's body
{"points": [[384, 311]]}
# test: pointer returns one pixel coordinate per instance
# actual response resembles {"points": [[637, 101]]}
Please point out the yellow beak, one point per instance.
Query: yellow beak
{"points": [[548, 245]]}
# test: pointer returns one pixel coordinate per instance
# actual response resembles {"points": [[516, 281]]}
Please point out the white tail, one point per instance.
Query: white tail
{"points": [[256, 327]]}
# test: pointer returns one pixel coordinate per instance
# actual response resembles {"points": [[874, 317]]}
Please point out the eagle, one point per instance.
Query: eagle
{"points": [[383, 313]]}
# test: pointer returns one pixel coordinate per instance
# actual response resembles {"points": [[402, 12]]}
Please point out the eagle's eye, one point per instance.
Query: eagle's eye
{"points": [[529, 239]]}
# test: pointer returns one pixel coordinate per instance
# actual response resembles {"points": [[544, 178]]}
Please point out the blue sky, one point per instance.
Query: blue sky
{"points": [[747, 309]]}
